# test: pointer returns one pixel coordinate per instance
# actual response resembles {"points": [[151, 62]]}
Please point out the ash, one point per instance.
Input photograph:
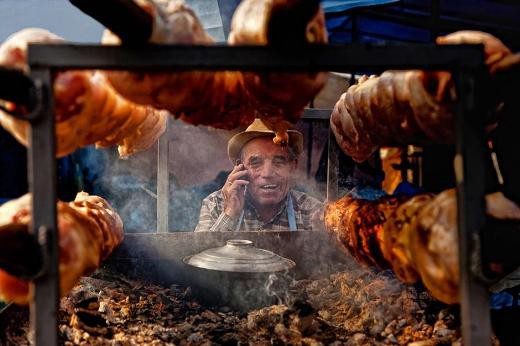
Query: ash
{"points": [[357, 307]]}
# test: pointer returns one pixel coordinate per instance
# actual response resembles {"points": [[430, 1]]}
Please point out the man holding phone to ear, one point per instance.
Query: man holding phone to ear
{"points": [[257, 195]]}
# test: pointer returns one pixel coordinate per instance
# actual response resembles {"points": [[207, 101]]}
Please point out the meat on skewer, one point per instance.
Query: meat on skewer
{"points": [[416, 236], [279, 98], [89, 230], [88, 110], [407, 107], [228, 99], [398, 107]]}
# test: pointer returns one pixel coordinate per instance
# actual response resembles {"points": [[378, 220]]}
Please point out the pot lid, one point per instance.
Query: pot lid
{"points": [[239, 256]]}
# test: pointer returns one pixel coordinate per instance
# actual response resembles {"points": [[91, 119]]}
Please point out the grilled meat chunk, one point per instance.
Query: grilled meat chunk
{"points": [[88, 110], [89, 230], [416, 236], [228, 99]]}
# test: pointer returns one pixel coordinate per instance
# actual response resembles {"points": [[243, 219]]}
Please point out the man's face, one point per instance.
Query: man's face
{"points": [[270, 167]]}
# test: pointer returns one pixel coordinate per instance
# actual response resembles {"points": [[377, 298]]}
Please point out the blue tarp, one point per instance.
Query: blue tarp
{"points": [[344, 5]]}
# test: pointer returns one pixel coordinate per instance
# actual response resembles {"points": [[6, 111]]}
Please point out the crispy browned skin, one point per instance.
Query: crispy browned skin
{"points": [[279, 97], [397, 249], [227, 99], [398, 107], [407, 107], [359, 226], [416, 236], [89, 230], [88, 110]]}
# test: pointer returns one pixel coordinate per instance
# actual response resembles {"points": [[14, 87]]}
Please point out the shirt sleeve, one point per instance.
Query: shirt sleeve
{"points": [[212, 219], [312, 212]]}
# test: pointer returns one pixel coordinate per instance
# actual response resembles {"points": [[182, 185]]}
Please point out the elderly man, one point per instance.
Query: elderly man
{"points": [[257, 195]]}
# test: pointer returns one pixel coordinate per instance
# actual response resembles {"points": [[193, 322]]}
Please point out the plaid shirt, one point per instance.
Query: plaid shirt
{"points": [[212, 216]]}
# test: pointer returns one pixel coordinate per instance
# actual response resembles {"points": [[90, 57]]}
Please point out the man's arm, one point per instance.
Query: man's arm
{"points": [[312, 211], [212, 217]]}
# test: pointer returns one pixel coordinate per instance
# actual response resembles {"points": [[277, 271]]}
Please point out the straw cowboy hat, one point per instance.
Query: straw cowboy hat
{"points": [[258, 129]]}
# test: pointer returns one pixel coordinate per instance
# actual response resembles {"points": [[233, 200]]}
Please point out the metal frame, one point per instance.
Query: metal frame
{"points": [[466, 61]]}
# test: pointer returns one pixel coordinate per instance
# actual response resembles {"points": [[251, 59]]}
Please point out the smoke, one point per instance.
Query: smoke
{"points": [[122, 184], [198, 166], [278, 286]]}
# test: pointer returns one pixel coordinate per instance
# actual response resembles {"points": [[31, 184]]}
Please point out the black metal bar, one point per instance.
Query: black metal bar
{"points": [[124, 18], [405, 163], [163, 182], [332, 168], [16, 87], [435, 15], [20, 253], [500, 238], [42, 185], [470, 154], [355, 57]]}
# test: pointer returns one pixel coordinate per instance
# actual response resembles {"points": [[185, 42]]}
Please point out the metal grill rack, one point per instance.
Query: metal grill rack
{"points": [[466, 63]]}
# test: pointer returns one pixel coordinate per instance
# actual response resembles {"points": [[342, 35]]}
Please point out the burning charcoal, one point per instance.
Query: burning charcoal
{"points": [[390, 327], [107, 311], [195, 338], [358, 339], [229, 339], [423, 343], [391, 338], [400, 325], [442, 332], [342, 309], [90, 303], [266, 317], [126, 312], [89, 321], [288, 336]]}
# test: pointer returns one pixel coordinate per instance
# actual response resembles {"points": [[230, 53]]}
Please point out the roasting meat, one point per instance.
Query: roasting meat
{"points": [[407, 107], [88, 110], [216, 99], [396, 244], [398, 107], [494, 50], [416, 237], [226, 99], [358, 225], [89, 230], [280, 97]]}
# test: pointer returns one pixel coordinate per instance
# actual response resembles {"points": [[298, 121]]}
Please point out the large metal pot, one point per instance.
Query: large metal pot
{"points": [[239, 275]]}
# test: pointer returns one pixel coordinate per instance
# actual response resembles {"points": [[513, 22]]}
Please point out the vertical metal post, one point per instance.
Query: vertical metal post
{"points": [[332, 168], [435, 15], [163, 181], [405, 163], [469, 172], [42, 185]]}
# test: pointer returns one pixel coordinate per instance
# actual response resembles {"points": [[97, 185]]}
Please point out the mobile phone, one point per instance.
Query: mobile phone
{"points": [[245, 177]]}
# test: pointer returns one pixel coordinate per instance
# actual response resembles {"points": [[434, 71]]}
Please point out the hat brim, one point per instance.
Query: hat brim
{"points": [[237, 142]]}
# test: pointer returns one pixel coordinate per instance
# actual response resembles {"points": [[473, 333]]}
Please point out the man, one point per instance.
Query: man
{"points": [[257, 195]]}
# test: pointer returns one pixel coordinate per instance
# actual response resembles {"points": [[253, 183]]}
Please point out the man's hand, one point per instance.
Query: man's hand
{"points": [[234, 191]]}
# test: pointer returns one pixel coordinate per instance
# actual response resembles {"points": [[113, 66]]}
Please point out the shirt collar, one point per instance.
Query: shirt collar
{"points": [[281, 209]]}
